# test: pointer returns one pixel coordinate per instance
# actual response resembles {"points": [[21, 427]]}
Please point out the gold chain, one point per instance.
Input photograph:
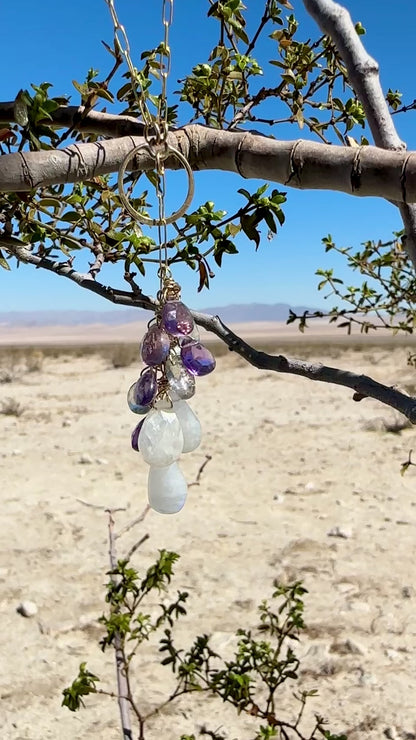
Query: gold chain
{"points": [[155, 127]]}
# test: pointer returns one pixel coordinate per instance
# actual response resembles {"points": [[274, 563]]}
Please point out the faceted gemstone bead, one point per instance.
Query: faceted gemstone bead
{"points": [[190, 425], [161, 438], [177, 318], [181, 382], [163, 403], [167, 489], [197, 358], [135, 435], [193, 335], [146, 387], [137, 408], [155, 346]]}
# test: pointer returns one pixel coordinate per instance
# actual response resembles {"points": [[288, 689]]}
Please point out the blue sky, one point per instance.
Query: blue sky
{"points": [[58, 42]]}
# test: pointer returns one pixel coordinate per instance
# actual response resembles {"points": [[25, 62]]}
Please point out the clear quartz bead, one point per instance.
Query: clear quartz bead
{"points": [[167, 489], [181, 383], [161, 438], [190, 425]]}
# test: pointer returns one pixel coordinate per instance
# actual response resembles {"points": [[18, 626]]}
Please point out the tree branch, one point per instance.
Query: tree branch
{"points": [[362, 385], [363, 74], [77, 118], [362, 171]]}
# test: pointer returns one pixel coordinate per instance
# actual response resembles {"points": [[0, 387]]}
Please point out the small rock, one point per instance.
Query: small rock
{"points": [[27, 609], [85, 459], [407, 592], [343, 532], [279, 498], [66, 423], [101, 461], [16, 453], [310, 486], [392, 654], [367, 679], [391, 733], [347, 647]]}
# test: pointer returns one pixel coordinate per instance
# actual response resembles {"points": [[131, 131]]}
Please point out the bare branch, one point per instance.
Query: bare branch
{"points": [[120, 297], [133, 523], [363, 74], [362, 171], [362, 385], [202, 467], [79, 119]]}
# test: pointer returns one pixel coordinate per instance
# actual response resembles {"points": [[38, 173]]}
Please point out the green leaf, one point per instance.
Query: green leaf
{"points": [[3, 262], [232, 229], [20, 108], [71, 217], [50, 203], [360, 30]]}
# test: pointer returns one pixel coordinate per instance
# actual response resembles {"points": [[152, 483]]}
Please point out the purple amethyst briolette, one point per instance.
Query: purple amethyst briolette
{"points": [[155, 346], [135, 435], [146, 387], [197, 358], [177, 319]]}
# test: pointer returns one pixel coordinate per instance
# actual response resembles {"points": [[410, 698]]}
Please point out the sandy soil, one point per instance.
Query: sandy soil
{"points": [[291, 461]]}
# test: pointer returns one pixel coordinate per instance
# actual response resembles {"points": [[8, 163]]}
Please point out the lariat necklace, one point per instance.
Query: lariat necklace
{"points": [[171, 351]]}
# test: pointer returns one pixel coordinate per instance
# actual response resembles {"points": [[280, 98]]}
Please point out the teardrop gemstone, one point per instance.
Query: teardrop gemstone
{"points": [[197, 358], [190, 425], [137, 408], [177, 318], [135, 435], [181, 382], [194, 334], [161, 438], [167, 489], [155, 346], [146, 387]]}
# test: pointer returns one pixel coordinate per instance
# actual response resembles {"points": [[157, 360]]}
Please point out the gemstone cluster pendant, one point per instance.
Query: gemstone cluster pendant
{"points": [[173, 358]]}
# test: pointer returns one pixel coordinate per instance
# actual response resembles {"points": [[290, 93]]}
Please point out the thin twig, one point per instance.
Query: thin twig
{"points": [[202, 467], [99, 507], [133, 523], [123, 689], [137, 545]]}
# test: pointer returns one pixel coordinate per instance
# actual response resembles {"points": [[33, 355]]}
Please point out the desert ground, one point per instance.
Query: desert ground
{"points": [[303, 483]]}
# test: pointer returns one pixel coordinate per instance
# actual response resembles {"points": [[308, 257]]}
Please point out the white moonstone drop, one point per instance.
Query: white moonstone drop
{"points": [[161, 438], [167, 489], [190, 425]]}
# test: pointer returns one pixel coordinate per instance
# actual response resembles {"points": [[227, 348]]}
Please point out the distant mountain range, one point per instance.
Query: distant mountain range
{"points": [[236, 314]]}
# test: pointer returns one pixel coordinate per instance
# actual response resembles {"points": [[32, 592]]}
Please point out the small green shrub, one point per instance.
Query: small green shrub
{"points": [[263, 659]]}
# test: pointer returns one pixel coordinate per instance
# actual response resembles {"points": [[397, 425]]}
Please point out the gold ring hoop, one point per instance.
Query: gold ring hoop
{"points": [[169, 151]]}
